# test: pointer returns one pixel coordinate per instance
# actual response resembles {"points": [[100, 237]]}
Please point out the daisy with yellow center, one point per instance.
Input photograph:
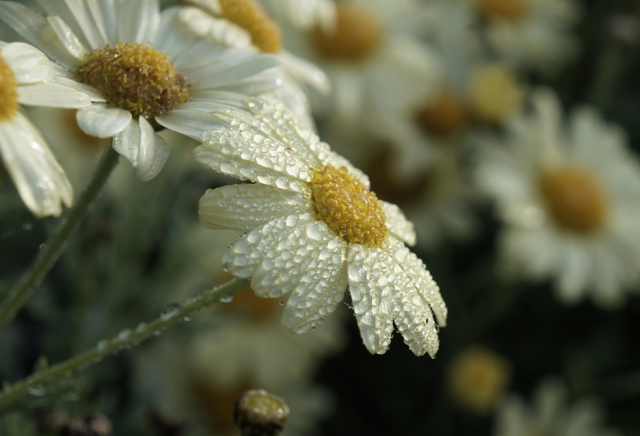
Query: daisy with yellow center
{"points": [[375, 69], [570, 199], [28, 78], [551, 413], [142, 70], [535, 34], [245, 24], [314, 227]]}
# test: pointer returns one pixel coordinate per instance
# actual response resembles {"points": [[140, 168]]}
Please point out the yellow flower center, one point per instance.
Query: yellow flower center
{"points": [[444, 116], [495, 93], [8, 91], [356, 36], [575, 199], [506, 10], [478, 379], [249, 15], [348, 207], [135, 77]]}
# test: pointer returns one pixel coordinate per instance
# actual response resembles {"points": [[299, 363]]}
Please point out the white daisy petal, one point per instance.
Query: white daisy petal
{"points": [[243, 257], [223, 74], [153, 153], [103, 14], [249, 155], [191, 123], [103, 121], [36, 30], [67, 37], [127, 142], [262, 83], [138, 20], [93, 94], [36, 173], [245, 207], [28, 64], [52, 95], [77, 17], [398, 223]]}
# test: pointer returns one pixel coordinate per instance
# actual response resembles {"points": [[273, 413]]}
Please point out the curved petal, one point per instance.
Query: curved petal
{"points": [[28, 63], [103, 121], [76, 15], [398, 224], [39, 178], [245, 207], [138, 20], [67, 38], [52, 95], [153, 153]]}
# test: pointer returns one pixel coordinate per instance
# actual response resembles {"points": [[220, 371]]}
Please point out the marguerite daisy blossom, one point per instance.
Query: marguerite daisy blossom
{"points": [[531, 33], [550, 413], [314, 228], [570, 199], [140, 68], [28, 78]]}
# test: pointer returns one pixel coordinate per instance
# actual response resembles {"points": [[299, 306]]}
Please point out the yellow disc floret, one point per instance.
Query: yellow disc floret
{"points": [[348, 207], [248, 14], [356, 36], [575, 199], [135, 77], [444, 116], [505, 10], [8, 91]]}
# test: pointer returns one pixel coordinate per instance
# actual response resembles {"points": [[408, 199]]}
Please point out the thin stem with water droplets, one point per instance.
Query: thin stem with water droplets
{"points": [[125, 339]]}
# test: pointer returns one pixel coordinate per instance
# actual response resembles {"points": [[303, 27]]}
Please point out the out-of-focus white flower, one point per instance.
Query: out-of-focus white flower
{"points": [[303, 14], [172, 76], [314, 228], [570, 198], [28, 78], [477, 379], [375, 66], [531, 33], [551, 414]]}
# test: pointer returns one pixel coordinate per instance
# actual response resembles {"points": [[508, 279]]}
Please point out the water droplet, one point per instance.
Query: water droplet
{"points": [[170, 311], [141, 327], [157, 332], [36, 391], [281, 302], [226, 299], [124, 335], [102, 345], [27, 227], [187, 318], [43, 247]]}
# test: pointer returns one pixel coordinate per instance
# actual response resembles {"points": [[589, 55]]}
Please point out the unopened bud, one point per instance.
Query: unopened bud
{"points": [[259, 413]]}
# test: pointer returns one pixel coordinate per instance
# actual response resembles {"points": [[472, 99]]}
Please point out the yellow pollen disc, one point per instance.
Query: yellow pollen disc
{"points": [[8, 91], [575, 199], [506, 10], [249, 15], [443, 117], [356, 36], [348, 207], [135, 77], [495, 93]]}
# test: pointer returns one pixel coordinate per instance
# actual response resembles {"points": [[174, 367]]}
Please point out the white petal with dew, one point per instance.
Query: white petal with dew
{"points": [[398, 224], [37, 175], [245, 207]]}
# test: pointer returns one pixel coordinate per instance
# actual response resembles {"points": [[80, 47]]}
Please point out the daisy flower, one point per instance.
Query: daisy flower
{"points": [[173, 78], [531, 33], [551, 414], [373, 63], [28, 78], [244, 24], [303, 14], [314, 228], [570, 199]]}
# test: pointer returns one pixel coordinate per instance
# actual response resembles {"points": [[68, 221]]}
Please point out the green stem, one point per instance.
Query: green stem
{"points": [[125, 339], [57, 243]]}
